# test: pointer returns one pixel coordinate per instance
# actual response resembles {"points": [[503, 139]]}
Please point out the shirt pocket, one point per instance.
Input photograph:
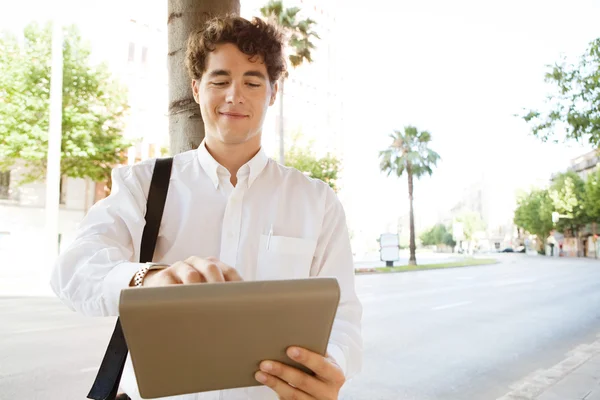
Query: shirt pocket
{"points": [[285, 258]]}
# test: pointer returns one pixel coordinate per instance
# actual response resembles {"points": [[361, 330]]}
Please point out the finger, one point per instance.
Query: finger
{"points": [[294, 377], [160, 278], [325, 370], [187, 274], [283, 390], [230, 273], [209, 269]]}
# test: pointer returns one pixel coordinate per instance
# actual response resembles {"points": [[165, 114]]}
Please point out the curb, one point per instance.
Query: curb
{"points": [[540, 381], [372, 271]]}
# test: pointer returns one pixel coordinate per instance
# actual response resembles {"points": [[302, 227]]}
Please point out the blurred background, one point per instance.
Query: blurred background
{"points": [[456, 134]]}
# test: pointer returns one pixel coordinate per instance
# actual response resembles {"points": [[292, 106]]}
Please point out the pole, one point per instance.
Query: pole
{"points": [[281, 135], [54, 143]]}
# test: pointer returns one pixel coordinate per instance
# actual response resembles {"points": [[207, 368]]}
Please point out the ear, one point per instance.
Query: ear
{"points": [[195, 90], [274, 90]]}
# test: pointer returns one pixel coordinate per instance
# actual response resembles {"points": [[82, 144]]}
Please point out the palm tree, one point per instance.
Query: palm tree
{"points": [[409, 152], [300, 34]]}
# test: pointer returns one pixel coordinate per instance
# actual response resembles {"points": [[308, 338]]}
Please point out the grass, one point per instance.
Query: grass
{"points": [[468, 262]]}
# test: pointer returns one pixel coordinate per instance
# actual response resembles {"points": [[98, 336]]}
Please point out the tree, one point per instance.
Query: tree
{"points": [[568, 199], [94, 107], [575, 105], [300, 36], [592, 196], [472, 223], [428, 237], [534, 214], [409, 153], [437, 235], [186, 128], [325, 168]]}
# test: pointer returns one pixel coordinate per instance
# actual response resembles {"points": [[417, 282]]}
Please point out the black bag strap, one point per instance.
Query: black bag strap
{"points": [[109, 375]]}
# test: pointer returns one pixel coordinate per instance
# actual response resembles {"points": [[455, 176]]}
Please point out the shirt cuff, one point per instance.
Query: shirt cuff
{"points": [[118, 279], [338, 356]]}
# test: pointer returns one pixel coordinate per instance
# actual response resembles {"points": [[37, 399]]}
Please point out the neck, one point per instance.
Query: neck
{"points": [[232, 156]]}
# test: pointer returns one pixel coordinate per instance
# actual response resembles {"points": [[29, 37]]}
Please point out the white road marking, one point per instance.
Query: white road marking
{"points": [[445, 307]]}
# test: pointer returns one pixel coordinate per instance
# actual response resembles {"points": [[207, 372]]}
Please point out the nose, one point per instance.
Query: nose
{"points": [[235, 94]]}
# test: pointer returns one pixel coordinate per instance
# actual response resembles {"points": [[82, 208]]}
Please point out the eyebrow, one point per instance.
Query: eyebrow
{"points": [[223, 72]]}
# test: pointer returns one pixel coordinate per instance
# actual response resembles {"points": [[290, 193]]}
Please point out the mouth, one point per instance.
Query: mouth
{"points": [[233, 115]]}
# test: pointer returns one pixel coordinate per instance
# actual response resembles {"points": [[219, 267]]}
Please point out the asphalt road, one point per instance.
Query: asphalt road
{"points": [[468, 333], [464, 333]]}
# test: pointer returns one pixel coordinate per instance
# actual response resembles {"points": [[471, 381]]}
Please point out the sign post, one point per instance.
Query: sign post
{"points": [[389, 248]]}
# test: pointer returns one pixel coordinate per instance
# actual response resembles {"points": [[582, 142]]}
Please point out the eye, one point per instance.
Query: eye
{"points": [[253, 85], [222, 83]]}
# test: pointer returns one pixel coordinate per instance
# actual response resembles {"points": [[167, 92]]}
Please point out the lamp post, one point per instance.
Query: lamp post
{"points": [[54, 142]]}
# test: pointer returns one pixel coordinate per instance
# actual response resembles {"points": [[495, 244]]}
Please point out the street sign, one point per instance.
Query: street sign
{"points": [[389, 249]]}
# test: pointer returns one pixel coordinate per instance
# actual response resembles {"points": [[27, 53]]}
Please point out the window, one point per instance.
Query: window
{"points": [[4, 184], [131, 55]]}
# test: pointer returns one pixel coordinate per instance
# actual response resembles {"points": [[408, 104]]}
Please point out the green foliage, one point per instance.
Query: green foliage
{"points": [[575, 105], [534, 213], [472, 223], [592, 196], [437, 235], [94, 106], [409, 151], [300, 32], [568, 199], [324, 168]]}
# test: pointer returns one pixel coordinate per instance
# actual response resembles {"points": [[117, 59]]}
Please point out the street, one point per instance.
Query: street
{"points": [[468, 333], [456, 334]]}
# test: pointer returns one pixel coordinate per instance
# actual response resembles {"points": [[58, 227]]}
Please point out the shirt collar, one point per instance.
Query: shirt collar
{"points": [[212, 168]]}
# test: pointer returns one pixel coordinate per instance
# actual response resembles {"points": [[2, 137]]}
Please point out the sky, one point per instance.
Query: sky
{"points": [[459, 69]]}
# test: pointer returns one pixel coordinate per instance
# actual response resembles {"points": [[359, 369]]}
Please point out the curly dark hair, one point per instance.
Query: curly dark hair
{"points": [[254, 38]]}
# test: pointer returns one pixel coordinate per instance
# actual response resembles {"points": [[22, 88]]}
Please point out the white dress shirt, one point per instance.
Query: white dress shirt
{"points": [[205, 215]]}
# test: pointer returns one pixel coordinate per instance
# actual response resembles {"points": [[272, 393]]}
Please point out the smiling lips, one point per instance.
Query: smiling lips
{"points": [[233, 115]]}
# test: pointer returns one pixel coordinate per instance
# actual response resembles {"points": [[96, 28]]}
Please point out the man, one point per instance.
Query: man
{"points": [[231, 213]]}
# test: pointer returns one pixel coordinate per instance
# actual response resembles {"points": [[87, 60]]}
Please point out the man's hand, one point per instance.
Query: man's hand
{"points": [[292, 384], [192, 270]]}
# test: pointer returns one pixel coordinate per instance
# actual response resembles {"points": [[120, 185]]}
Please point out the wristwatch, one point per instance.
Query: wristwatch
{"points": [[139, 276]]}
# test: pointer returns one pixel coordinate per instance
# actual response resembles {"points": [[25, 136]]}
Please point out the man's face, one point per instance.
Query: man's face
{"points": [[234, 94]]}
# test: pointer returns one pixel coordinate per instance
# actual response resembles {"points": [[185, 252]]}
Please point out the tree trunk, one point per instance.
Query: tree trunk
{"points": [[413, 247], [186, 128]]}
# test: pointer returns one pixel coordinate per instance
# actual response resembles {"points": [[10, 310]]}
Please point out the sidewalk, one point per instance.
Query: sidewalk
{"points": [[575, 378]]}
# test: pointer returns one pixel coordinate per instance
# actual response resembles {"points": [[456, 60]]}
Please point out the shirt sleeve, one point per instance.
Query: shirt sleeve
{"points": [[89, 275], [333, 258]]}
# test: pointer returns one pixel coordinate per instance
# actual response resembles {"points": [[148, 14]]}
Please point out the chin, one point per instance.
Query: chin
{"points": [[236, 137]]}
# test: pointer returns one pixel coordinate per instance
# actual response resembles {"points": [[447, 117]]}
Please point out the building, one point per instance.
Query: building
{"points": [[494, 203], [584, 243], [583, 165]]}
